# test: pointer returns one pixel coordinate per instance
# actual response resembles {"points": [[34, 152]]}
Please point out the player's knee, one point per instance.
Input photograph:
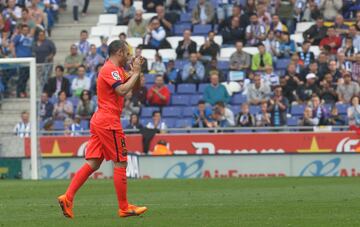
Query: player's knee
{"points": [[120, 164], [94, 164]]}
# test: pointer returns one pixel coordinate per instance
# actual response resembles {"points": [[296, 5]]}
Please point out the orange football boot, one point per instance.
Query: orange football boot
{"points": [[132, 210], [66, 206]]}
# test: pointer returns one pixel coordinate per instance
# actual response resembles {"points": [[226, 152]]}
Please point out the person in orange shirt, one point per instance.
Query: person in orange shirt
{"points": [[332, 40], [159, 94]]}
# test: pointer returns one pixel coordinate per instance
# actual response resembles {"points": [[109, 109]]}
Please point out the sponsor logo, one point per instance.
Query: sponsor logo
{"points": [[319, 168], [60, 171], [183, 170], [115, 75], [348, 145], [209, 148]]}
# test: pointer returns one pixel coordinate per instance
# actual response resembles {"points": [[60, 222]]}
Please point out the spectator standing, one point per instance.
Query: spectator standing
{"points": [[261, 59], [215, 92], [194, 71], [158, 94], [185, 46], [73, 61], [330, 8], [347, 89], [22, 129], [83, 44], [245, 118], [93, 59], [137, 25], [46, 107], [86, 107], [81, 82], [258, 91], [63, 108], [353, 112], [240, 60], [278, 108], [57, 83], [44, 50], [157, 123], [201, 116], [203, 13], [126, 12]]}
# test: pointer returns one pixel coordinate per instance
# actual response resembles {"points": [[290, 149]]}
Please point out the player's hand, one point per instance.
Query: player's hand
{"points": [[136, 64]]}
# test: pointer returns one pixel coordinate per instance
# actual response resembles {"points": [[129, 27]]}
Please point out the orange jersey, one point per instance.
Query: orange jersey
{"points": [[110, 104]]}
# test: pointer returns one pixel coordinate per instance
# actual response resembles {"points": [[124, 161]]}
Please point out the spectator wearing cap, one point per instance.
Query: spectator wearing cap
{"points": [[57, 83], [159, 93], [306, 91], [305, 55], [330, 8], [203, 13], [233, 32], [194, 71], [278, 106], [186, 46], [258, 91], [81, 82], [209, 50], [93, 59], [126, 12], [83, 44], [201, 116], [137, 25], [156, 34], [347, 89], [240, 60], [320, 114], [73, 61], [332, 40], [356, 69], [215, 91], [316, 32], [255, 32], [102, 50], [245, 118], [261, 59]]}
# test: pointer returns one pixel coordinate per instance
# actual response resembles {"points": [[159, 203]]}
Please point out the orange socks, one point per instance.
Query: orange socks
{"points": [[79, 179], [120, 183]]}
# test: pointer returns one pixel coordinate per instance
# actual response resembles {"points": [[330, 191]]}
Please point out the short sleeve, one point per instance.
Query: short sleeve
{"points": [[112, 77]]}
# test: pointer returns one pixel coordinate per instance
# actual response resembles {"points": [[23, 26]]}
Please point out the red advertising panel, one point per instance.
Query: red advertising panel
{"points": [[216, 143]]}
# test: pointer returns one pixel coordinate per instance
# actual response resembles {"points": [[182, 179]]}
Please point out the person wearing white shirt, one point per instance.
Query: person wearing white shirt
{"points": [[81, 82], [157, 123], [156, 34], [22, 129]]}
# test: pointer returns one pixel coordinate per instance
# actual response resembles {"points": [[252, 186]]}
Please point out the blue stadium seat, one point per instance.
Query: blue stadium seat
{"points": [[74, 100], [53, 99], [186, 89], [254, 109], [59, 125], [145, 121], [180, 100], [235, 109], [171, 88], [171, 111], [192, 4], [202, 87], [223, 65], [84, 124], [194, 99], [183, 123], [170, 122], [149, 78], [297, 110], [147, 111], [124, 123], [293, 121], [179, 28], [70, 77], [238, 99], [179, 63], [342, 108], [201, 29], [282, 64], [185, 18], [188, 111]]}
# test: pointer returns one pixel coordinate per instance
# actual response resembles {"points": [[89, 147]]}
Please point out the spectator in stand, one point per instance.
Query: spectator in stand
{"points": [[22, 129], [93, 59], [353, 111], [126, 12], [343, 64], [236, 12], [134, 124], [150, 5], [305, 55], [347, 89], [355, 36], [166, 19], [157, 123], [158, 66], [57, 83], [255, 32], [335, 118], [201, 116], [278, 106], [258, 91], [74, 127], [245, 118], [312, 68], [307, 119], [37, 13], [240, 61], [323, 60], [139, 95], [46, 107], [103, 49], [334, 71], [330, 8], [212, 67], [122, 37], [63, 108], [194, 71], [171, 75], [263, 119], [311, 12], [203, 13], [332, 40], [185, 46], [277, 25], [272, 45], [261, 59], [44, 50], [320, 114], [73, 61], [215, 91], [86, 107], [263, 15], [27, 19], [12, 13], [233, 32], [156, 35], [81, 82], [75, 10], [21, 47], [144, 66], [269, 77], [327, 92], [316, 32], [356, 69], [340, 28], [225, 117], [137, 25], [209, 50], [306, 91], [83, 45], [130, 107], [159, 93], [287, 46], [175, 6]]}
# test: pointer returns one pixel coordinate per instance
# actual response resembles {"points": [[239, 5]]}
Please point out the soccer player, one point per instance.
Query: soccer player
{"points": [[107, 139]]}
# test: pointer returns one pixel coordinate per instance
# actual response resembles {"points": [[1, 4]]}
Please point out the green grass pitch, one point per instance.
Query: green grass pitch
{"points": [[217, 202]]}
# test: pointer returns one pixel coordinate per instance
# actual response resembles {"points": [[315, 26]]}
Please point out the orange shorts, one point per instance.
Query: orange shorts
{"points": [[108, 144]]}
